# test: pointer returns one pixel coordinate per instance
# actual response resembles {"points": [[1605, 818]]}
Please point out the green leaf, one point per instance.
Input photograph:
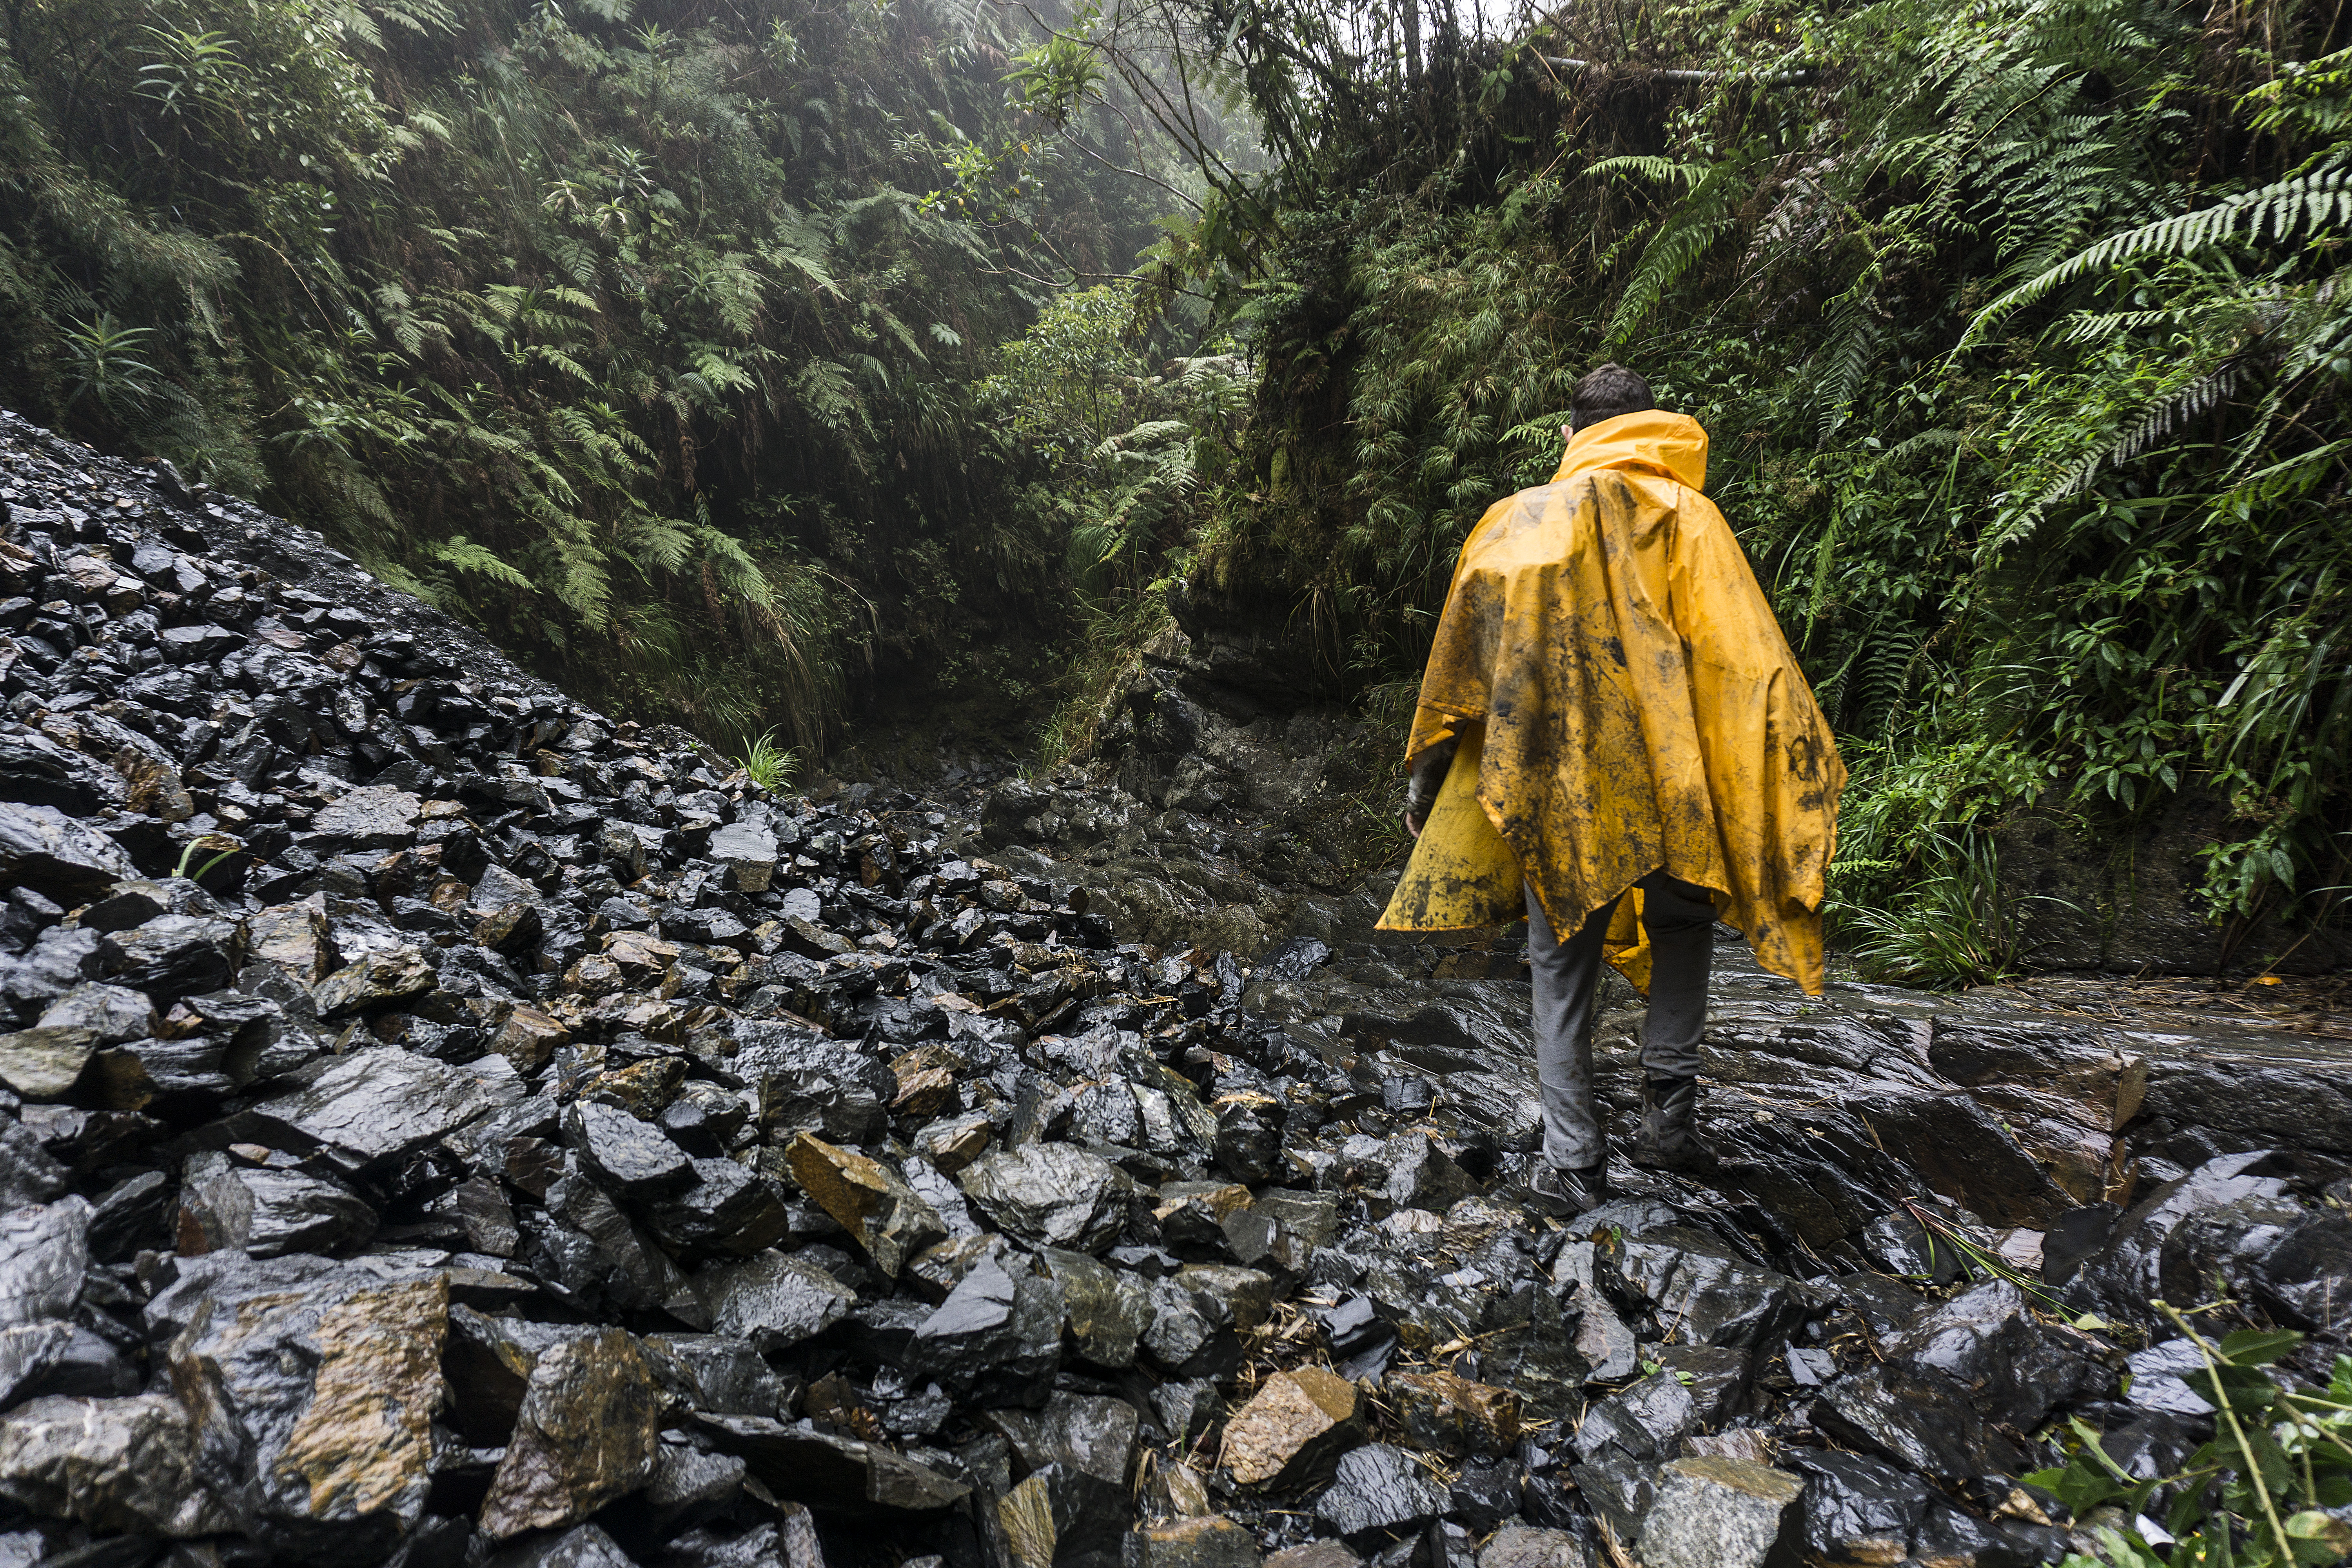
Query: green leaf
{"points": [[2257, 1347]]}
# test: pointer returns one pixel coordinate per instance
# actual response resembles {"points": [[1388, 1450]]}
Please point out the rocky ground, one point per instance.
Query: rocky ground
{"points": [[446, 1127]]}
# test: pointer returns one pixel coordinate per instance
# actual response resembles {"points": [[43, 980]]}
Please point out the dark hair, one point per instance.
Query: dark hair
{"points": [[1606, 393]]}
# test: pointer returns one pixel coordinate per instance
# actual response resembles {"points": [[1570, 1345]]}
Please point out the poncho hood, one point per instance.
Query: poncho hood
{"points": [[1626, 704]]}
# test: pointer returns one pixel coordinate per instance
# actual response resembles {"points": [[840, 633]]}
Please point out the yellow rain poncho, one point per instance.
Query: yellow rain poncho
{"points": [[1625, 703]]}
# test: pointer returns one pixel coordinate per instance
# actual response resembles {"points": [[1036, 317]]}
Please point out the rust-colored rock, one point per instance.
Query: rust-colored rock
{"points": [[1293, 1429], [868, 1199], [589, 1431]]}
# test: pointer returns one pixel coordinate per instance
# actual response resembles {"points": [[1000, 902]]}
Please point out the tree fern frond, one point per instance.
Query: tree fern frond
{"points": [[2316, 199]]}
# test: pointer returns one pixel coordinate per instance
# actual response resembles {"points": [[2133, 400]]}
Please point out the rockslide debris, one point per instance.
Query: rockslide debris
{"points": [[445, 1127]]}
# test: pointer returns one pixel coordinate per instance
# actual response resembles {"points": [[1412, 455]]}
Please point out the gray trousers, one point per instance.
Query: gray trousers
{"points": [[1680, 921]]}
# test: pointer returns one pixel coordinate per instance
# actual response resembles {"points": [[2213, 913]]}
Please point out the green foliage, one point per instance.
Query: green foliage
{"points": [[620, 330], [2256, 1495], [767, 764]]}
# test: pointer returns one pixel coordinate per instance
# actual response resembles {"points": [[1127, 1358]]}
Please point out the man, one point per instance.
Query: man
{"points": [[1613, 735]]}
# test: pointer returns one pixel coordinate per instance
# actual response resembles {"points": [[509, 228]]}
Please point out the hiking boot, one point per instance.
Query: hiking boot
{"points": [[1564, 1194], [1667, 1140]]}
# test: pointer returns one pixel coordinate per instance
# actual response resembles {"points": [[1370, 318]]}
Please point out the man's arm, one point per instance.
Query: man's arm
{"points": [[1428, 778]]}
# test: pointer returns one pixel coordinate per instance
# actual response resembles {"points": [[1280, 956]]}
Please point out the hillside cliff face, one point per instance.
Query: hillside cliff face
{"points": [[439, 1125]]}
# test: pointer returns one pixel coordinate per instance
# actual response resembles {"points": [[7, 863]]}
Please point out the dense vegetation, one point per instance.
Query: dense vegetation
{"points": [[646, 335], [743, 363]]}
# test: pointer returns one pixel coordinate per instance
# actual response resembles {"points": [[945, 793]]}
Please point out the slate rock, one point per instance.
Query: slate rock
{"points": [[115, 1464], [47, 851], [378, 981], [583, 1546], [1051, 1194], [773, 1300], [113, 1013], [267, 1212], [29, 1172], [59, 1358], [1061, 1518], [718, 1375], [1718, 1298], [381, 1105], [1378, 1494], [2123, 1276], [44, 1062], [749, 851], [627, 1157], [1486, 1491], [588, 1431], [1454, 1415], [2015, 1368], [1645, 1420], [173, 955], [1293, 1430], [997, 1338], [1856, 1508], [370, 818], [1717, 1513], [801, 1081], [728, 1211], [44, 1259], [1919, 1421], [1091, 1436], [320, 1380], [1209, 1541], [868, 1199], [1522, 1546], [1106, 1309], [1619, 1492], [831, 1474]]}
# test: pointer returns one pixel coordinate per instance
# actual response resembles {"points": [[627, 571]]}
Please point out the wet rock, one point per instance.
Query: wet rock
{"points": [[29, 1172], [1645, 1420], [1293, 1430], [630, 1158], [1050, 1194], [1921, 1422], [829, 1474], [172, 955], [1619, 1490], [1857, 1510], [1206, 1542], [488, 1362], [267, 1212], [1717, 1513], [115, 1464], [2124, 1275], [378, 981], [588, 1431], [43, 849], [385, 1104], [43, 1260], [728, 1211], [43, 1062], [1521, 1546], [1450, 1415], [804, 1081], [1323, 1554], [1090, 1436], [868, 1199], [370, 818], [1066, 1517], [749, 852], [59, 1358], [113, 1013], [718, 1374], [2014, 1368], [1720, 1299], [1377, 1495], [1108, 1310], [773, 1300], [996, 1340], [584, 1547], [320, 1380]]}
